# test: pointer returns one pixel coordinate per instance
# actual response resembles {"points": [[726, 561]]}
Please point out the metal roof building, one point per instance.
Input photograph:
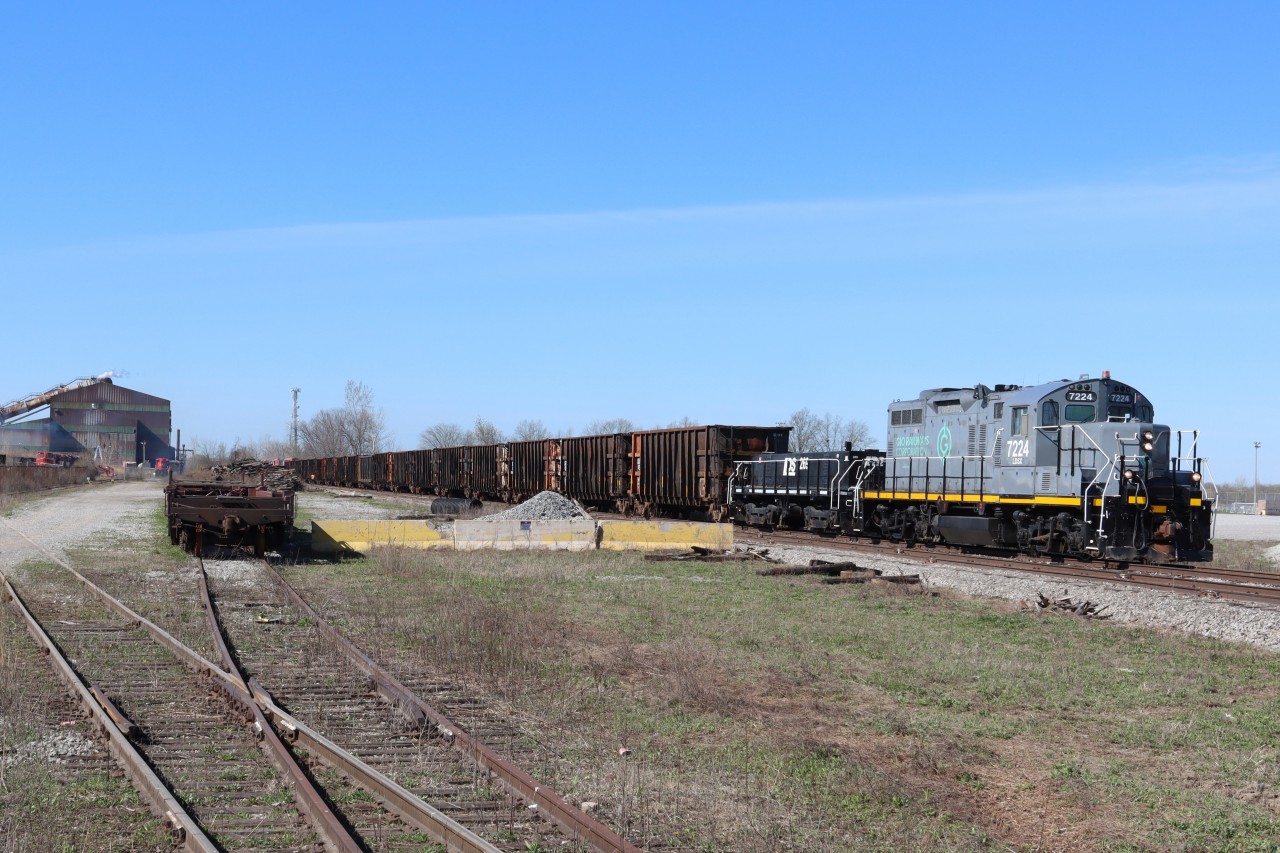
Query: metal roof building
{"points": [[105, 422]]}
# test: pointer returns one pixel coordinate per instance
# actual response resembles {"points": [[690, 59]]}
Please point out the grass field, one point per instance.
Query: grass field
{"points": [[767, 714], [764, 713]]}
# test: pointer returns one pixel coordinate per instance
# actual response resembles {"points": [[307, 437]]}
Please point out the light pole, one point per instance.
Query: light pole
{"points": [[294, 447], [1256, 446]]}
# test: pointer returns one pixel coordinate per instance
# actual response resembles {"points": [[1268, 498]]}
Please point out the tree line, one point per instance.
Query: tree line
{"points": [[358, 427]]}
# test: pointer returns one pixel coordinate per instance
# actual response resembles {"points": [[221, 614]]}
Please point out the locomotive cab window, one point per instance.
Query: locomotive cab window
{"points": [[1145, 414], [1021, 423], [1049, 413], [1119, 413], [1079, 413]]}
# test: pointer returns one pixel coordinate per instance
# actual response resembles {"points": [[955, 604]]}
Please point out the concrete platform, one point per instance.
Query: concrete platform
{"points": [[569, 535]]}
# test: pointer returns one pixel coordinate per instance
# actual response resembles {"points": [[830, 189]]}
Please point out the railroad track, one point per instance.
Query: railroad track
{"points": [[1205, 581], [189, 751], [1262, 588], [205, 743], [363, 707]]}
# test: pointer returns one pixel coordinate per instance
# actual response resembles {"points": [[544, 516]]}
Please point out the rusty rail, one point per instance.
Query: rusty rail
{"points": [[412, 809], [439, 826], [336, 836], [1204, 582], [163, 803], [513, 778]]}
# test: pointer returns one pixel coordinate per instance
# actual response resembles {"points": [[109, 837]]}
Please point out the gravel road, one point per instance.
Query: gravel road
{"points": [[1262, 528], [66, 518]]}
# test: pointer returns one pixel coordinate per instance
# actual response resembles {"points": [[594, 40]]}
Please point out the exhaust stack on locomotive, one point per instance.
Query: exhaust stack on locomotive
{"points": [[1073, 468]]}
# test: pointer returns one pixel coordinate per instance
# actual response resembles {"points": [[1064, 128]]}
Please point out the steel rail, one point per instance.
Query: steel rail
{"points": [[513, 778], [182, 826], [337, 837], [1171, 579], [409, 806], [415, 811]]}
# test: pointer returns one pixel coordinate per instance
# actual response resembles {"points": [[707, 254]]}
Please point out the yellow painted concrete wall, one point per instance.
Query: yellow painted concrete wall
{"points": [[664, 535], [333, 536]]}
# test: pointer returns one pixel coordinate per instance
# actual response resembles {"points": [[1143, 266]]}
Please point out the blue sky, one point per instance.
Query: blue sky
{"points": [[578, 211]]}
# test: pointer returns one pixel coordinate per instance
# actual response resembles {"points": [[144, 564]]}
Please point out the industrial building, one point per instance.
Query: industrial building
{"points": [[93, 418]]}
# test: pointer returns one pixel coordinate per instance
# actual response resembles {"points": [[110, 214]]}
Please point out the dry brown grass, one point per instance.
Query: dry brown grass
{"points": [[1245, 554], [768, 714]]}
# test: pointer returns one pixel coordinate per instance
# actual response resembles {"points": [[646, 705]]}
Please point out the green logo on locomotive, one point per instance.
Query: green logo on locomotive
{"points": [[911, 445]]}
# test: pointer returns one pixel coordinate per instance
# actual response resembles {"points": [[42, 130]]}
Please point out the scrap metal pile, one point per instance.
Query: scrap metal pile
{"points": [[268, 475]]}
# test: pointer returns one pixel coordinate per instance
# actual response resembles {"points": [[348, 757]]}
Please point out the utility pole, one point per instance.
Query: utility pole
{"points": [[1256, 446], [295, 420]]}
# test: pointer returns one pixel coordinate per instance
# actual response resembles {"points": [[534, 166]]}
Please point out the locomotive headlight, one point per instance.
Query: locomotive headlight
{"points": [[1195, 476], [1148, 441], [1128, 474]]}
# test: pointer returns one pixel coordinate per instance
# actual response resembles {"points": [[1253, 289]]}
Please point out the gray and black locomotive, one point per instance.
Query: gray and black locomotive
{"points": [[1075, 468]]}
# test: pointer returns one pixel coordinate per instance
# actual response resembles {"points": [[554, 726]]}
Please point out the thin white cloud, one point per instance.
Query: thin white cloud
{"points": [[1236, 188]]}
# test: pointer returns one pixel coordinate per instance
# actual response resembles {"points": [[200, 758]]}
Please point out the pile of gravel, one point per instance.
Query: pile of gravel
{"points": [[544, 506]]}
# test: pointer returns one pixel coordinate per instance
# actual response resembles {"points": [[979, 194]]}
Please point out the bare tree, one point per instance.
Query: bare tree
{"points": [[367, 428], [858, 435], [607, 427], [272, 448], [324, 434], [531, 430], [485, 432], [812, 433], [686, 421], [806, 431], [355, 429], [206, 453], [443, 435]]}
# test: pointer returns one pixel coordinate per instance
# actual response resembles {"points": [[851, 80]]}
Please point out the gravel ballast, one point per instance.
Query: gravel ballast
{"points": [[1217, 618]]}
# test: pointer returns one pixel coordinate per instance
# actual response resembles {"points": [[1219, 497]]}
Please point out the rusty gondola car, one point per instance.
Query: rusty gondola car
{"points": [[228, 514], [685, 471], [682, 472]]}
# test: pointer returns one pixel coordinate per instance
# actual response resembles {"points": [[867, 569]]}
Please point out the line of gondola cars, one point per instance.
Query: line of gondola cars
{"points": [[681, 472], [1076, 468]]}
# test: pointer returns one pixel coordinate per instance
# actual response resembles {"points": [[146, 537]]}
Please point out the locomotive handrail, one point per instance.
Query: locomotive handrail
{"points": [[858, 486], [1101, 474], [1196, 461], [870, 464], [911, 476]]}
